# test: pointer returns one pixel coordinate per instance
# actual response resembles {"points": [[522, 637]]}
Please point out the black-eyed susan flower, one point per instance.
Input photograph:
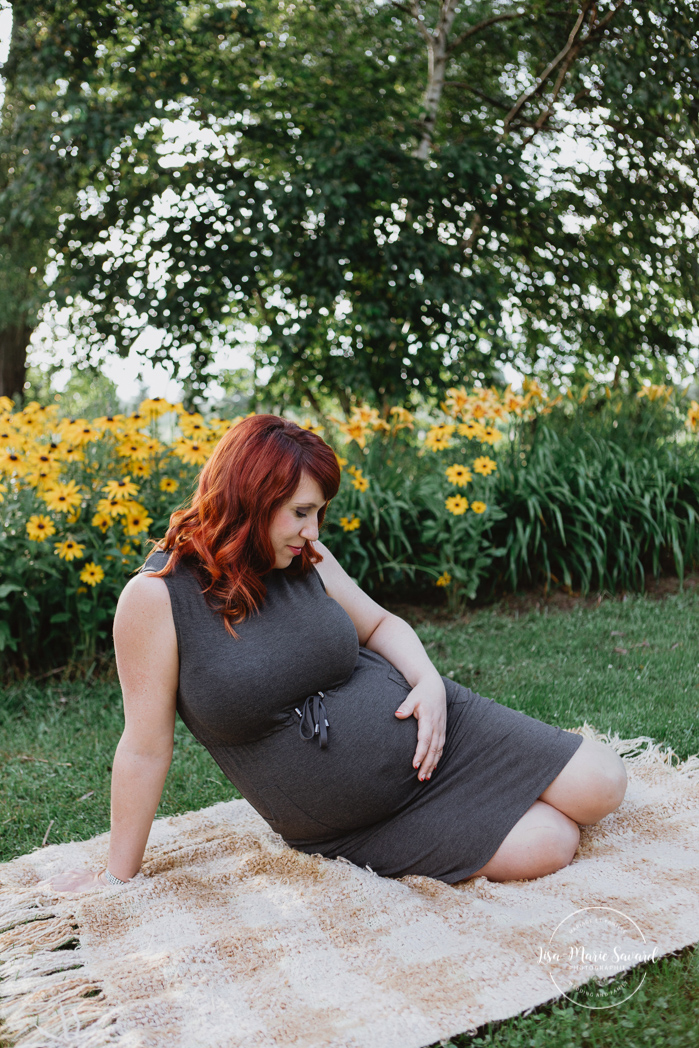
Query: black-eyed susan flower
{"points": [[484, 465], [92, 574], [141, 469], [456, 504], [101, 520], [155, 406], [137, 521], [169, 484], [439, 437], [113, 507], [478, 507], [62, 498], [444, 579], [133, 449], [192, 452], [491, 435], [472, 430], [311, 426], [70, 550], [458, 475], [40, 527], [350, 523], [123, 489], [359, 481]]}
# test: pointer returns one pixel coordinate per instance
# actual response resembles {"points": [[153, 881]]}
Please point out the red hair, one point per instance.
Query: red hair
{"points": [[224, 531]]}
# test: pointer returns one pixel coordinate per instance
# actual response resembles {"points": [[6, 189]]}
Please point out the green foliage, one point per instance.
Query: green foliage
{"points": [[299, 196]]}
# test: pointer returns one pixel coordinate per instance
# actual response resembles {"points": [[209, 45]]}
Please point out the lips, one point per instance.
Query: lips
{"points": [[296, 549]]}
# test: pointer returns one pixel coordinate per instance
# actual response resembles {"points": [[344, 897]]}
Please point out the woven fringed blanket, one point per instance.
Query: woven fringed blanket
{"points": [[230, 938]]}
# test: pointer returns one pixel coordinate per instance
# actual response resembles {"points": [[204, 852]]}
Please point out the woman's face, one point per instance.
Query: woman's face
{"points": [[296, 522]]}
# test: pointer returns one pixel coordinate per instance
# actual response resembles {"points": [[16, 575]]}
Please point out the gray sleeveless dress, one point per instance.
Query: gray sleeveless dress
{"points": [[301, 719]]}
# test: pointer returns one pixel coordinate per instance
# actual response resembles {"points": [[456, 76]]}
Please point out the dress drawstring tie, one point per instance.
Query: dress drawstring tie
{"points": [[314, 720]]}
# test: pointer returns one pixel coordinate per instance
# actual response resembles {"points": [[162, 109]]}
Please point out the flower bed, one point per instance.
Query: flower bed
{"points": [[448, 501]]}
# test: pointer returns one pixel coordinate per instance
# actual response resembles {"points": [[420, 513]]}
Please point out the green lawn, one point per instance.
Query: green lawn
{"points": [[630, 667]]}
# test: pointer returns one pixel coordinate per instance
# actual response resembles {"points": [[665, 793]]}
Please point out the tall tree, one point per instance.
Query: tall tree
{"points": [[372, 185]]}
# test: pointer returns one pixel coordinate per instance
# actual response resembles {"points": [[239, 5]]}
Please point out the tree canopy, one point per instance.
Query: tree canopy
{"points": [[387, 191]]}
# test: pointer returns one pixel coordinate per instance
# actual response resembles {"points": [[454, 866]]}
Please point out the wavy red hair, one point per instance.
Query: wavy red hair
{"points": [[223, 533]]}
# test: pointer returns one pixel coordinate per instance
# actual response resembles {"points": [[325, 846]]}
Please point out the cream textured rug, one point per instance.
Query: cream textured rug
{"points": [[230, 938]]}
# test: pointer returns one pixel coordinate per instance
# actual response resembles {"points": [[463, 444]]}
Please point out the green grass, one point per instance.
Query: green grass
{"points": [[57, 742]]}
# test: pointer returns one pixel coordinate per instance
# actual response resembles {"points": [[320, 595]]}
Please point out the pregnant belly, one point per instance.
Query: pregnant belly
{"points": [[363, 776]]}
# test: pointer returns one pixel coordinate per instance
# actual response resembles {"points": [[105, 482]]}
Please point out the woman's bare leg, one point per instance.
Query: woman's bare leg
{"points": [[591, 785], [543, 841]]}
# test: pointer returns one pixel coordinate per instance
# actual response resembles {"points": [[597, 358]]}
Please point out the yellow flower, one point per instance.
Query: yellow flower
{"points": [[110, 423], [458, 475], [127, 549], [121, 489], [350, 523], [3, 489], [69, 550], [6, 404], [473, 430], [137, 521], [456, 401], [40, 527], [113, 507], [513, 402], [193, 452], [101, 520], [484, 465], [693, 415], [81, 589], [133, 449], [456, 504], [10, 462], [69, 453], [439, 437], [359, 481], [62, 497], [155, 406], [444, 579], [491, 435], [92, 574], [310, 425], [478, 507], [194, 428], [354, 430], [343, 461], [169, 484], [402, 418], [140, 469]]}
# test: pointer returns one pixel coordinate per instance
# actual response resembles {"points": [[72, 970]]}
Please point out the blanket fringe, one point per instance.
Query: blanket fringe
{"points": [[642, 750]]}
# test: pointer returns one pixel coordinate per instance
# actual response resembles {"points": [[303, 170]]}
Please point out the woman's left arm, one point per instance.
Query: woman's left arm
{"points": [[392, 637]]}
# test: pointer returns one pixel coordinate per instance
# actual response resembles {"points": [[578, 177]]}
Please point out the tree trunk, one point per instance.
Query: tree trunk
{"points": [[13, 359]]}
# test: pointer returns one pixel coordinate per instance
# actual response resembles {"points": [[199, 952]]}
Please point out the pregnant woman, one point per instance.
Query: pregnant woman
{"points": [[322, 708]]}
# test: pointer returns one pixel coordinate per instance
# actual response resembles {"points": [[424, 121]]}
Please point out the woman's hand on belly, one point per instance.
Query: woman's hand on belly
{"points": [[427, 702]]}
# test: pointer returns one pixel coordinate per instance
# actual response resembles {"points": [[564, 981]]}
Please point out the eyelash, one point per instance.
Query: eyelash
{"points": [[298, 514]]}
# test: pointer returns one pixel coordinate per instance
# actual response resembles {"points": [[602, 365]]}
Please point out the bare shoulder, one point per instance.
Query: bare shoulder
{"points": [[364, 612], [143, 621], [143, 596]]}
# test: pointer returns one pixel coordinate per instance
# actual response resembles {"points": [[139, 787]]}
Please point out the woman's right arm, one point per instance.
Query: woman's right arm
{"points": [[148, 667]]}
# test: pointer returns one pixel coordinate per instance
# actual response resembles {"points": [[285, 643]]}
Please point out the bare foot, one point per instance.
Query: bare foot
{"points": [[77, 881]]}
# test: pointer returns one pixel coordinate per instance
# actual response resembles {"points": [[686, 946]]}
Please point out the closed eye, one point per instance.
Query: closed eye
{"points": [[301, 514]]}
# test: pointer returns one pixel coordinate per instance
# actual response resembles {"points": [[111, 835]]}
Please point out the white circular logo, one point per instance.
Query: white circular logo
{"points": [[595, 953]]}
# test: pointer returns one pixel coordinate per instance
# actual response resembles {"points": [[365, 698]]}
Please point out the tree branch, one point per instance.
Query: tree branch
{"points": [[473, 29], [479, 94], [532, 92]]}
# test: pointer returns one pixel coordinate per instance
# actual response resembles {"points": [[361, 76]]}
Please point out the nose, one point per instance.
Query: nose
{"points": [[310, 531]]}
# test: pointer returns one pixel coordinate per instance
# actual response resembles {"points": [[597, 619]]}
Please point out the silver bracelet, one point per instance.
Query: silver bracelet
{"points": [[114, 880]]}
